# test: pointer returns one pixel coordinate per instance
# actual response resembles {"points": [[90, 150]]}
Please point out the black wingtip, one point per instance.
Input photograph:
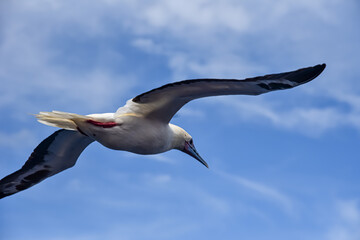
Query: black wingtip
{"points": [[305, 75], [318, 69]]}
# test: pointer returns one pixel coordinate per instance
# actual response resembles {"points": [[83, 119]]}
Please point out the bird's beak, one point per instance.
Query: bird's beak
{"points": [[191, 150]]}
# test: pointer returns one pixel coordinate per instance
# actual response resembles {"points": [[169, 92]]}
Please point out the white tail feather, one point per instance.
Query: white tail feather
{"points": [[61, 119]]}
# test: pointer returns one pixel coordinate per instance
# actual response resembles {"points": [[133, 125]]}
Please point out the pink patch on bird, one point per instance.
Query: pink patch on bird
{"points": [[102, 124]]}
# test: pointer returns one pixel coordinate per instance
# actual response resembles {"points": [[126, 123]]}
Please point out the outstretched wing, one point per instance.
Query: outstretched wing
{"points": [[162, 103], [56, 153]]}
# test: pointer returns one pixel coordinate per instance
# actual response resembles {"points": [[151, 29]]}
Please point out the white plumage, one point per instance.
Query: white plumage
{"points": [[141, 126]]}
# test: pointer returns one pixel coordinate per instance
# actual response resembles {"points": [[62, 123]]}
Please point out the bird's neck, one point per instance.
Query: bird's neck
{"points": [[177, 137]]}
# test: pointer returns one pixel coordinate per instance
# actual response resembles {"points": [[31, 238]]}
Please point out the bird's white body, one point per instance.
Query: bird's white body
{"points": [[133, 133], [129, 129], [142, 126]]}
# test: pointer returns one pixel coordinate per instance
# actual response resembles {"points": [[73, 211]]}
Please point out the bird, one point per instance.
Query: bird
{"points": [[141, 126]]}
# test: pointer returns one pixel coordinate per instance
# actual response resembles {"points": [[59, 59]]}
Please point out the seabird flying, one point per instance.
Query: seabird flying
{"points": [[141, 126]]}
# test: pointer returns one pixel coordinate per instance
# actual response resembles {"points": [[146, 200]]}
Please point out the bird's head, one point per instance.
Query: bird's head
{"points": [[184, 142]]}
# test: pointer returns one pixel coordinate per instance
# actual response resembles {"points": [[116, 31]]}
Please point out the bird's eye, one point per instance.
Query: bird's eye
{"points": [[191, 142]]}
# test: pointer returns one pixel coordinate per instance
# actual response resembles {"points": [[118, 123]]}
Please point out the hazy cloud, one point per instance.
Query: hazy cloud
{"points": [[347, 221], [266, 192], [311, 121]]}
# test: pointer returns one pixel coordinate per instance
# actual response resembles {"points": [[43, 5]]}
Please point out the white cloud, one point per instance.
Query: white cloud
{"points": [[215, 38], [310, 121], [349, 211], [291, 30], [196, 15], [34, 67], [347, 221], [162, 158], [157, 179], [191, 112], [203, 39], [148, 45], [266, 192]]}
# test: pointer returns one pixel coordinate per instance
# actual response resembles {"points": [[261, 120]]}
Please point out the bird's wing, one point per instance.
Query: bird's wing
{"points": [[163, 102], [54, 154]]}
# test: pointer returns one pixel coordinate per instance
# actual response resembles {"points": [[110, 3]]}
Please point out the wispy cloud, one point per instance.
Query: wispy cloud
{"points": [[163, 158], [292, 39], [86, 55], [35, 65], [347, 221], [264, 191], [232, 26], [310, 121]]}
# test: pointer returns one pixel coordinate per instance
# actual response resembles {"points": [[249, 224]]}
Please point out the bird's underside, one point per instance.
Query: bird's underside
{"points": [[152, 110]]}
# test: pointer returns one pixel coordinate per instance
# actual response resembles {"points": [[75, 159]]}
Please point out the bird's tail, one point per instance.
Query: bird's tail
{"points": [[61, 119]]}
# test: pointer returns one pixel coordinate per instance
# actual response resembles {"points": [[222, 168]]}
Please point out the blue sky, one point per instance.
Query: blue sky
{"points": [[282, 165]]}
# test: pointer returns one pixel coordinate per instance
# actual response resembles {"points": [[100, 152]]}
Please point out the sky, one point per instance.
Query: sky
{"points": [[283, 165]]}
